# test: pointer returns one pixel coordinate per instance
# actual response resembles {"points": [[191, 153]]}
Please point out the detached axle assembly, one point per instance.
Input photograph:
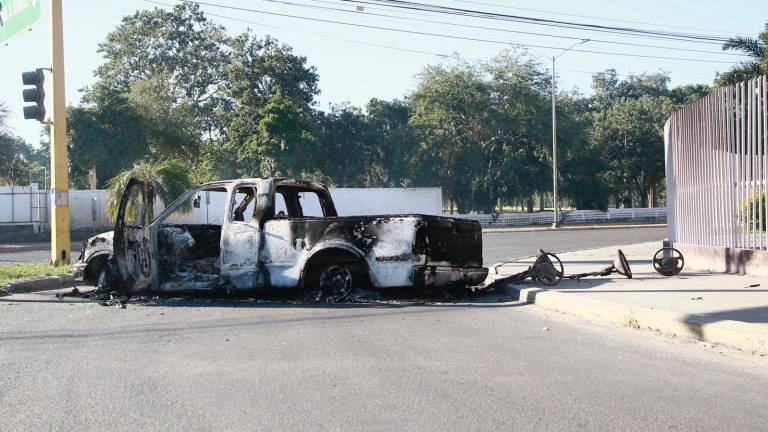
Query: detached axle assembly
{"points": [[548, 269], [620, 265]]}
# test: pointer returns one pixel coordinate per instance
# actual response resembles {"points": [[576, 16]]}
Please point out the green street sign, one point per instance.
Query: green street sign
{"points": [[16, 16]]}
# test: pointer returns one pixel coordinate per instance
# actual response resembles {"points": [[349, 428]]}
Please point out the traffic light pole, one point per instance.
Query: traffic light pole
{"points": [[60, 242]]}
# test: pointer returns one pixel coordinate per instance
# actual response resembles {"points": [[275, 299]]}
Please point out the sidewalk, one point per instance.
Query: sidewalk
{"points": [[723, 309], [536, 228]]}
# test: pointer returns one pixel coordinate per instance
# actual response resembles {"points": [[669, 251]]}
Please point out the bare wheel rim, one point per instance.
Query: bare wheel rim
{"points": [[336, 279]]}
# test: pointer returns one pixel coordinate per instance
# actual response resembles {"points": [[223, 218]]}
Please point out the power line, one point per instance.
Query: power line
{"points": [[357, 12], [415, 51], [456, 37], [431, 53], [401, 4], [594, 17]]}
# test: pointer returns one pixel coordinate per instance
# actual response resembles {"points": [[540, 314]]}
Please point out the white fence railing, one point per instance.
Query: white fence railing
{"points": [[622, 215], [716, 168]]}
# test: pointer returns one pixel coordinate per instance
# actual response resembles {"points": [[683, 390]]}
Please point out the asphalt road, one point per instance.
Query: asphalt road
{"points": [[195, 365], [504, 246], [496, 246]]}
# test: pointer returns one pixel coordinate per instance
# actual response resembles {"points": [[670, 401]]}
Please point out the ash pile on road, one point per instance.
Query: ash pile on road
{"points": [[355, 296]]}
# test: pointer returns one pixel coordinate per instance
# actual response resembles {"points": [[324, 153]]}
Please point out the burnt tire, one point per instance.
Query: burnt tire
{"points": [[93, 270], [334, 281], [106, 281]]}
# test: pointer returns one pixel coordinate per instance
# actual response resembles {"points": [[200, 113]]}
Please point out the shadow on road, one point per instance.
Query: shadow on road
{"points": [[755, 315]]}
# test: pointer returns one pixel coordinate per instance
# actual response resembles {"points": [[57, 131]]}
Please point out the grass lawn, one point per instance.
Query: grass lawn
{"points": [[10, 272]]}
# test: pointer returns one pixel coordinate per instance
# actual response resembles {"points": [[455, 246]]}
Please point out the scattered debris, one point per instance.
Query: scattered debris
{"points": [[74, 292], [403, 296], [546, 269], [620, 265]]}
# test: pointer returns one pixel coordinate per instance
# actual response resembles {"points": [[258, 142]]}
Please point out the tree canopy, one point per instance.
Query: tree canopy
{"points": [[175, 86]]}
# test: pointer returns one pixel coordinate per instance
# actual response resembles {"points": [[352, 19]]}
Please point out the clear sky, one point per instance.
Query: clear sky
{"points": [[353, 72]]}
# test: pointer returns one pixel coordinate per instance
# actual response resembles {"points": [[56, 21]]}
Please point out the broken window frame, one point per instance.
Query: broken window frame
{"points": [[244, 204]]}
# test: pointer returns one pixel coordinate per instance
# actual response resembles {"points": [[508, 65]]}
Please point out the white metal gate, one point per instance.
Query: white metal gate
{"points": [[716, 163]]}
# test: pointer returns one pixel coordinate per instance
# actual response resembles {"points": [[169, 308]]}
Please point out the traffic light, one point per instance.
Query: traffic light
{"points": [[34, 94]]}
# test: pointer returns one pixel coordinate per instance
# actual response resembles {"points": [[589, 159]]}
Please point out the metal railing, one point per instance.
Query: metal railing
{"points": [[716, 163]]}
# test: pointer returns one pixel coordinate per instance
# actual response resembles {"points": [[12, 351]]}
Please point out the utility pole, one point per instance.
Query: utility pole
{"points": [[555, 203], [60, 242], [556, 218]]}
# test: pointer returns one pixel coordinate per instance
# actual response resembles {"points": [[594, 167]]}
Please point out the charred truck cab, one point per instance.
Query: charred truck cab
{"points": [[277, 233]]}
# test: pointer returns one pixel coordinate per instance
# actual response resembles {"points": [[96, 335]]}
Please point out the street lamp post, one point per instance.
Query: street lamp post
{"points": [[556, 217]]}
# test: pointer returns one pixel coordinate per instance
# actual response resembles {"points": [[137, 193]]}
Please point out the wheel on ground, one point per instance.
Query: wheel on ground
{"points": [[106, 280], [337, 281]]}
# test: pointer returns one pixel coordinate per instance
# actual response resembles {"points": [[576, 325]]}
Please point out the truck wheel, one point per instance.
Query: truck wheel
{"points": [[106, 280], [337, 282], [333, 281]]}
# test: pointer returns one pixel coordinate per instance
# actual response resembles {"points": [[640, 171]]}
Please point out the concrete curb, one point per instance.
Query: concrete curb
{"points": [[40, 284], [751, 337], [570, 228]]}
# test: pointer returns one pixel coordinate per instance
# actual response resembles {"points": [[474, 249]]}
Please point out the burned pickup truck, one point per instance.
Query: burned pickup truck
{"points": [[250, 235]]}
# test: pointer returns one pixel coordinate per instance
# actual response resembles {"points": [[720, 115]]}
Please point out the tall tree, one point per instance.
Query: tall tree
{"points": [[452, 111], [583, 167], [271, 91], [345, 146], [482, 127], [631, 136], [104, 140], [393, 143], [181, 47], [14, 154], [628, 123], [518, 162]]}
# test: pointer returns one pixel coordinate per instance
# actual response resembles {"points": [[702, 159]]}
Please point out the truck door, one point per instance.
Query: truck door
{"points": [[248, 206], [132, 243]]}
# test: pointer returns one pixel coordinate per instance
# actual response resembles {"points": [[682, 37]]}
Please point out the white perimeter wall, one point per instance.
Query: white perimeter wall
{"points": [[19, 203], [378, 201], [86, 207]]}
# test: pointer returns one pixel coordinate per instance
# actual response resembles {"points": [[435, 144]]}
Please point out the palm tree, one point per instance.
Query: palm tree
{"points": [[757, 49], [166, 179]]}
